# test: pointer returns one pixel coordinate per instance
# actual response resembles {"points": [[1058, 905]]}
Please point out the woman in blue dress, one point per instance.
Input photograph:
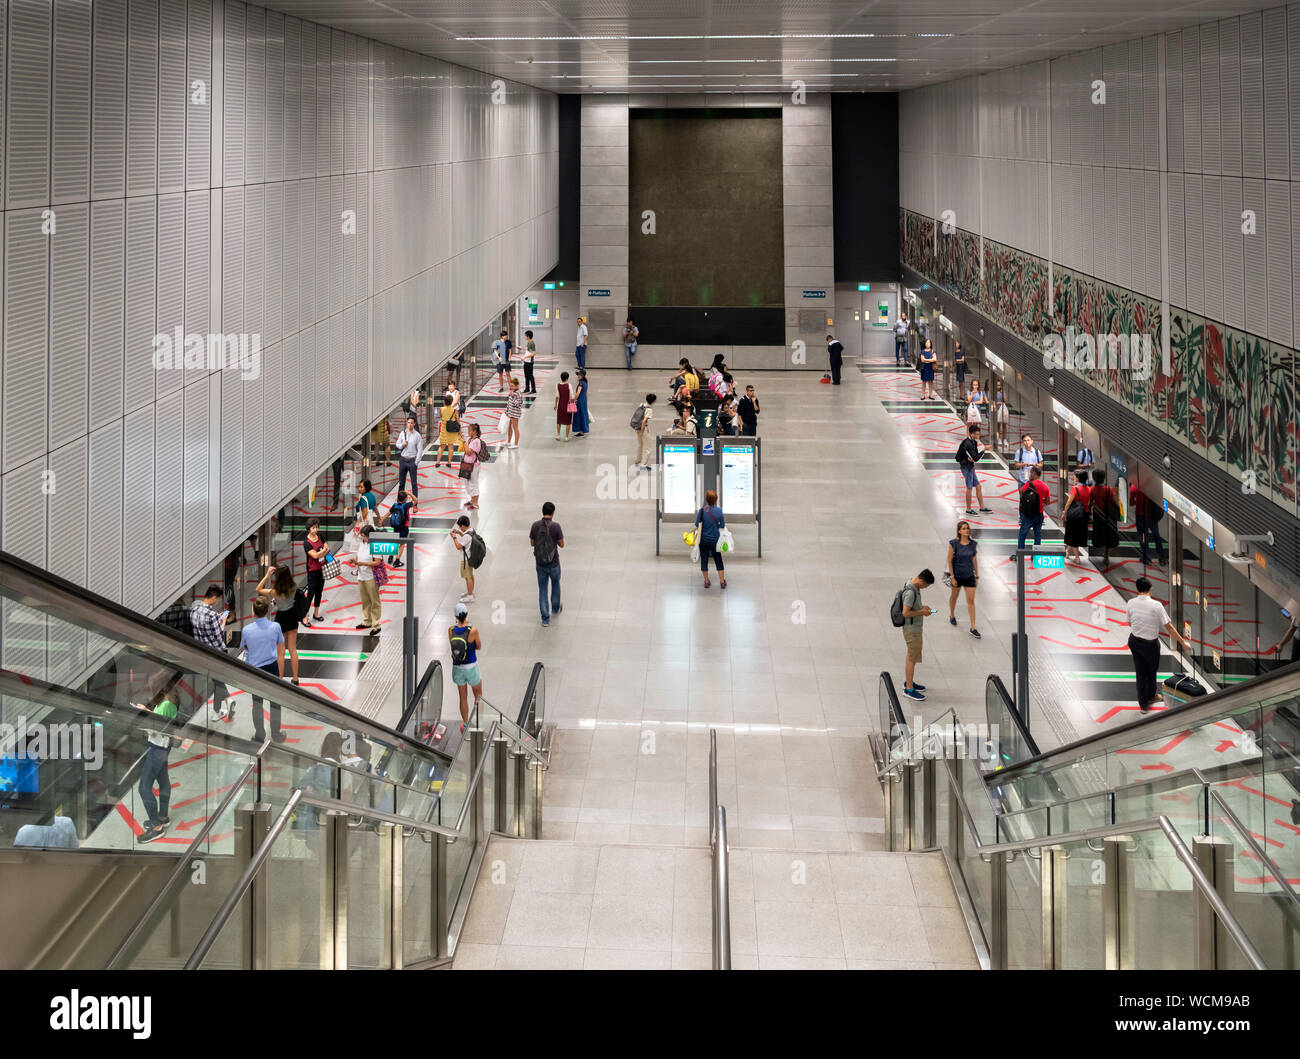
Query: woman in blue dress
{"points": [[928, 361], [581, 420]]}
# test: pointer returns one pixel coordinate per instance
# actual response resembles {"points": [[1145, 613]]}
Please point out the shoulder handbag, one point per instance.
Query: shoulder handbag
{"points": [[453, 424], [381, 573], [573, 407], [331, 568]]}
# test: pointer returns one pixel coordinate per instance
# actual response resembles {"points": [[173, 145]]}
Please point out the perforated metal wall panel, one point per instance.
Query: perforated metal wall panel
{"points": [[323, 100], [1193, 218], [27, 129], [230, 504], [194, 428], [307, 165], [1151, 234], [141, 302], [108, 100], [1277, 122], [249, 493], [254, 258], [292, 98], [70, 321], [1211, 122], [255, 97], [1278, 247], [1177, 241], [142, 98], [173, 95], [107, 291], [339, 84], [336, 243], [198, 124], [1191, 58], [275, 70], [170, 290], [1252, 198], [23, 502], [1230, 96], [139, 509], [273, 278], [1174, 101], [26, 339], [232, 260], [1293, 76], [70, 176], [198, 263], [1252, 95], [1212, 215], [104, 491], [66, 521], [326, 222], [233, 91], [168, 491], [1234, 260], [4, 60]]}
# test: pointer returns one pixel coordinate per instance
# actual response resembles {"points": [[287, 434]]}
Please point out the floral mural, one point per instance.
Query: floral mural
{"points": [[959, 264]]}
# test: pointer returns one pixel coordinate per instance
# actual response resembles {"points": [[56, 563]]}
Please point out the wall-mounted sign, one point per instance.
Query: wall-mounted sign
{"points": [[814, 294], [945, 323], [384, 545], [548, 286], [1119, 464], [864, 286], [1049, 561], [1196, 513], [1065, 417], [595, 292], [995, 362]]}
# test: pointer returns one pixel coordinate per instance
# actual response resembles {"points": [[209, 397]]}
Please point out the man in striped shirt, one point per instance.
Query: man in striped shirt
{"points": [[210, 630]]}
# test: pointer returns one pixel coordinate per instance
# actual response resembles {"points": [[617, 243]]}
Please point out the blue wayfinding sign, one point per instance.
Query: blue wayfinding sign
{"points": [[814, 294]]}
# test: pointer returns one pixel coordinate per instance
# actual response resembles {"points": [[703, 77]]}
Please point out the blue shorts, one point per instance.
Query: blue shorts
{"points": [[466, 674], [972, 479]]}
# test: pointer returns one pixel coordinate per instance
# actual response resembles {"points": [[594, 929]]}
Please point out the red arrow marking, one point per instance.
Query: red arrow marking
{"points": [[1112, 712], [1090, 639], [1082, 580], [125, 814], [201, 797], [1158, 750], [1226, 744], [1229, 727], [190, 823], [1241, 785], [1163, 767]]}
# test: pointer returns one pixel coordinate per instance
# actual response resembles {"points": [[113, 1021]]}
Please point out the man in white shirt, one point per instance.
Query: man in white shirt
{"points": [[1026, 456], [460, 538], [410, 447], [1083, 459], [1147, 618], [900, 338], [580, 350]]}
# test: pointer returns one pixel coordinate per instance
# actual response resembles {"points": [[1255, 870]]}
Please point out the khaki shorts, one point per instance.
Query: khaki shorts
{"points": [[912, 637], [466, 571]]}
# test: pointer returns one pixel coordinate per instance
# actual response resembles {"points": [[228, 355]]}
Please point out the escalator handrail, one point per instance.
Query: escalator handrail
{"points": [[1155, 724], [994, 681], [895, 707], [183, 862], [53, 595], [537, 675], [1258, 850]]}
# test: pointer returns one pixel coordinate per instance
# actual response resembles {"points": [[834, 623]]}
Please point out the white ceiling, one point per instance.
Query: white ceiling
{"points": [[752, 45]]}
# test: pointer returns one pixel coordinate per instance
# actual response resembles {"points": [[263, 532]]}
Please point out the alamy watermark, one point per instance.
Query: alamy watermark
{"points": [[1076, 350], [211, 352], [53, 742], [953, 740]]}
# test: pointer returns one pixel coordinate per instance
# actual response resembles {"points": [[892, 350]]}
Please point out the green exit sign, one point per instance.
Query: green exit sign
{"points": [[548, 286], [864, 286], [384, 547], [1050, 561]]}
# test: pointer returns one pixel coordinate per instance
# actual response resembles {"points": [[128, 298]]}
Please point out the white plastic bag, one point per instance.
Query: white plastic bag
{"points": [[503, 424], [726, 542], [695, 553]]}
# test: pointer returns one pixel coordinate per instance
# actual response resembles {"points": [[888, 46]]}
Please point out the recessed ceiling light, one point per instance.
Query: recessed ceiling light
{"points": [[691, 36]]}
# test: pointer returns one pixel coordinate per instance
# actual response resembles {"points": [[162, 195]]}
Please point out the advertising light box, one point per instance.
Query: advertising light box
{"points": [[679, 479], [738, 480]]}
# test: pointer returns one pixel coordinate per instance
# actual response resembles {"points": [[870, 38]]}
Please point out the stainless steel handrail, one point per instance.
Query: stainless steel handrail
{"points": [[520, 740], [476, 778], [183, 862], [245, 880], [1278, 874], [371, 813], [720, 874], [916, 739]]}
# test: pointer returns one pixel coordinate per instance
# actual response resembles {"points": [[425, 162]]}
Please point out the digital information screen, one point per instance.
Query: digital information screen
{"points": [[679, 479], [738, 480]]}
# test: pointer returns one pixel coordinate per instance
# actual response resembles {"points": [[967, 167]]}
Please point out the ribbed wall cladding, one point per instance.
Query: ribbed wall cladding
{"points": [[110, 113]]}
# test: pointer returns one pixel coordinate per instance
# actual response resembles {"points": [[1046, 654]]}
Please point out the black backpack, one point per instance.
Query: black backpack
{"points": [[460, 648], [896, 609], [397, 516], [1031, 505], [544, 549], [477, 550], [301, 604]]}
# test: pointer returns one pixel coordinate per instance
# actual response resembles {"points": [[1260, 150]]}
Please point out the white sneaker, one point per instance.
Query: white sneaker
{"points": [[466, 598]]}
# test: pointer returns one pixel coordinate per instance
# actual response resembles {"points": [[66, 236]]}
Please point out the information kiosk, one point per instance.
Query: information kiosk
{"points": [[679, 483], [739, 490]]}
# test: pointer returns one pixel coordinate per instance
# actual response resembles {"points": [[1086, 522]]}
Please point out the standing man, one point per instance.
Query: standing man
{"points": [[209, 628], [580, 349], [410, 447], [1034, 498], [1083, 457], [547, 539], [1146, 514], [836, 352], [630, 335], [1026, 457], [748, 409], [501, 358], [263, 640], [530, 353], [968, 454], [1147, 617], [644, 434], [1293, 612], [900, 339], [914, 615]]}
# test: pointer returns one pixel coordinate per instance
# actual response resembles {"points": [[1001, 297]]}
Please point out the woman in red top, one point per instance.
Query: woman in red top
{"points": [[1076, 528], [316, 548], [563, 413], [1105, 531]]}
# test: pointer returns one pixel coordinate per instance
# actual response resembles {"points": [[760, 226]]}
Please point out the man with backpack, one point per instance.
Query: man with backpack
{"points": [[471, 549], [908, 614], [640, 422], [1034, 498], [547, 539], [399, 519], [968, 454]]}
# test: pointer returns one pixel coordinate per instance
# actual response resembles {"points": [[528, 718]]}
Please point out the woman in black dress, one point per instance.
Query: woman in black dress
{"points": [[1105, 530]]}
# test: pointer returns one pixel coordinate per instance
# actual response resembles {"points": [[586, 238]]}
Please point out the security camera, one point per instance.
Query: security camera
{"points": [[1167, 463]]}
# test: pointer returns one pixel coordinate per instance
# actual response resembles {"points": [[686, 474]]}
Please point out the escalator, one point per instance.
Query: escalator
{"points": [[1170, 842], [344, 844]]}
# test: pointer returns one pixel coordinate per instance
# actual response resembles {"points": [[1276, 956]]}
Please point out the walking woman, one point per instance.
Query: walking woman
{"points": [[964, 571], [1078, 507], [709, 522], [1105, 529], [316, 549], [472, 458], [928, 361], [565, 406], [514, 409], [999, 415], [448, 432], [283, 590], [581, 420]]}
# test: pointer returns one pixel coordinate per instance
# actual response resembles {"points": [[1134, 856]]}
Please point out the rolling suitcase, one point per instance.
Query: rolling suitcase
{"points": [[1180, 689]]}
